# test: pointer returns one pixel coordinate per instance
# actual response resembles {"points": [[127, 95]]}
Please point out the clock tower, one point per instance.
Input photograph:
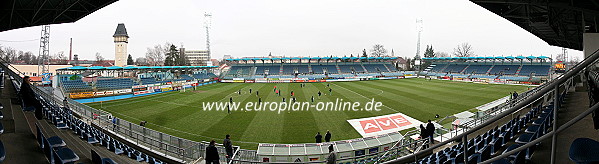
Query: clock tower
{"points": [[120, 45]]}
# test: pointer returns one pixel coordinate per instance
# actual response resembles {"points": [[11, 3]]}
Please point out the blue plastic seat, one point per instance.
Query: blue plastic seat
{"points": [[56, 142], [584, 150], [66, 155]]}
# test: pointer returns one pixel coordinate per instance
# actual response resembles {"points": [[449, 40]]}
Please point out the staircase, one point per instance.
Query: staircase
{"points": [[364, 68], [519, 69], [310, 68], [253, 71], [281, 69], [338, 69], [465, 68], [489, 71], [385, 65]]}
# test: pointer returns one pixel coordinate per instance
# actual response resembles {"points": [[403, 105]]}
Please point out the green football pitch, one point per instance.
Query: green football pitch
{"points": [[181, 113]]}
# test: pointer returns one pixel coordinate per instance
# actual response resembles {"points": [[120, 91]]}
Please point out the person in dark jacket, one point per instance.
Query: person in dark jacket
{"points": [[228, 146], [423, 132], [327, 136], [318, 137], [332, 158], [30, 103], [430, 128], [212, 154]]}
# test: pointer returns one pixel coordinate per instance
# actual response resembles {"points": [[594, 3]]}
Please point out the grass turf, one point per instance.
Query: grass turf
{"points": [[181, 114]]}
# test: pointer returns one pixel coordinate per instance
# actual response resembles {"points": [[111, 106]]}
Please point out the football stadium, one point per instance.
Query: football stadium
{"points": [[365, 109]]}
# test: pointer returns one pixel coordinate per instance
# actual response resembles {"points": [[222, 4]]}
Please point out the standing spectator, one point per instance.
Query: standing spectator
{"points": [[228, 147], [212, 154], [114, 120], [332, 156], [327, 136], [318, 138], [423, 132], [515, 95], [431, 130]]}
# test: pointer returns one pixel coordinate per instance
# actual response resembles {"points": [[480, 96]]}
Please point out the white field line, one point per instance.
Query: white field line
{"points": [[364, 96]]}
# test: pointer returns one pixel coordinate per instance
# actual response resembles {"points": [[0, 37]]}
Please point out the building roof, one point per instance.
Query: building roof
{"points": [[120, 31]]}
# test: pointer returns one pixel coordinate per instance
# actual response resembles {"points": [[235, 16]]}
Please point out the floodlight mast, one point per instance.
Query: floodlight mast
{"points": [[207, 25]]}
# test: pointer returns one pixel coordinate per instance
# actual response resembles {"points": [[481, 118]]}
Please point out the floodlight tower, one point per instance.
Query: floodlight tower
{"points": [[208, 24], [44, 53], [417, 57]]}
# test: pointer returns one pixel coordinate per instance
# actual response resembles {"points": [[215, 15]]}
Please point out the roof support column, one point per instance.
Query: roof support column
{"points": [[590, 42]]}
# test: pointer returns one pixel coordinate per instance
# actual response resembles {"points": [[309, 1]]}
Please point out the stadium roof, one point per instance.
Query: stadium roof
{"points": [[315, 58], [25, 13], [557, 22], [488, 57], [133, 67]]}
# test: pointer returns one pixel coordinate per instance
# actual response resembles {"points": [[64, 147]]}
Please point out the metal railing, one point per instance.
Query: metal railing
{"points": [[521, 102]]}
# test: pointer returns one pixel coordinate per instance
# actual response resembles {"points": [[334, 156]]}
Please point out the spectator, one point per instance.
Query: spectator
{"points": [[65, 103], [30, 103], [114, 122], [318, 138], [332, 157], [423, 132], [431, 130], [327, 136], [212, 154], [515, 95], [228, 147]]}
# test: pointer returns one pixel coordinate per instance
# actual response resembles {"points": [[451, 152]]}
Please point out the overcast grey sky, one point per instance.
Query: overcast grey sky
{"points": [[291, 28]]}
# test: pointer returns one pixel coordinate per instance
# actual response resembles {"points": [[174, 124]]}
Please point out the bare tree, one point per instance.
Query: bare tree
{"points": [[378, 50], [99, 57], [441, 54], [463, 50], [59, 58], [141, 61], [155, 55], [32, 58], [10, 54]]}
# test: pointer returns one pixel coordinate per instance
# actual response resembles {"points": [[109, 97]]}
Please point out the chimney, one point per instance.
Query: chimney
{"points": [[71, 50]]}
